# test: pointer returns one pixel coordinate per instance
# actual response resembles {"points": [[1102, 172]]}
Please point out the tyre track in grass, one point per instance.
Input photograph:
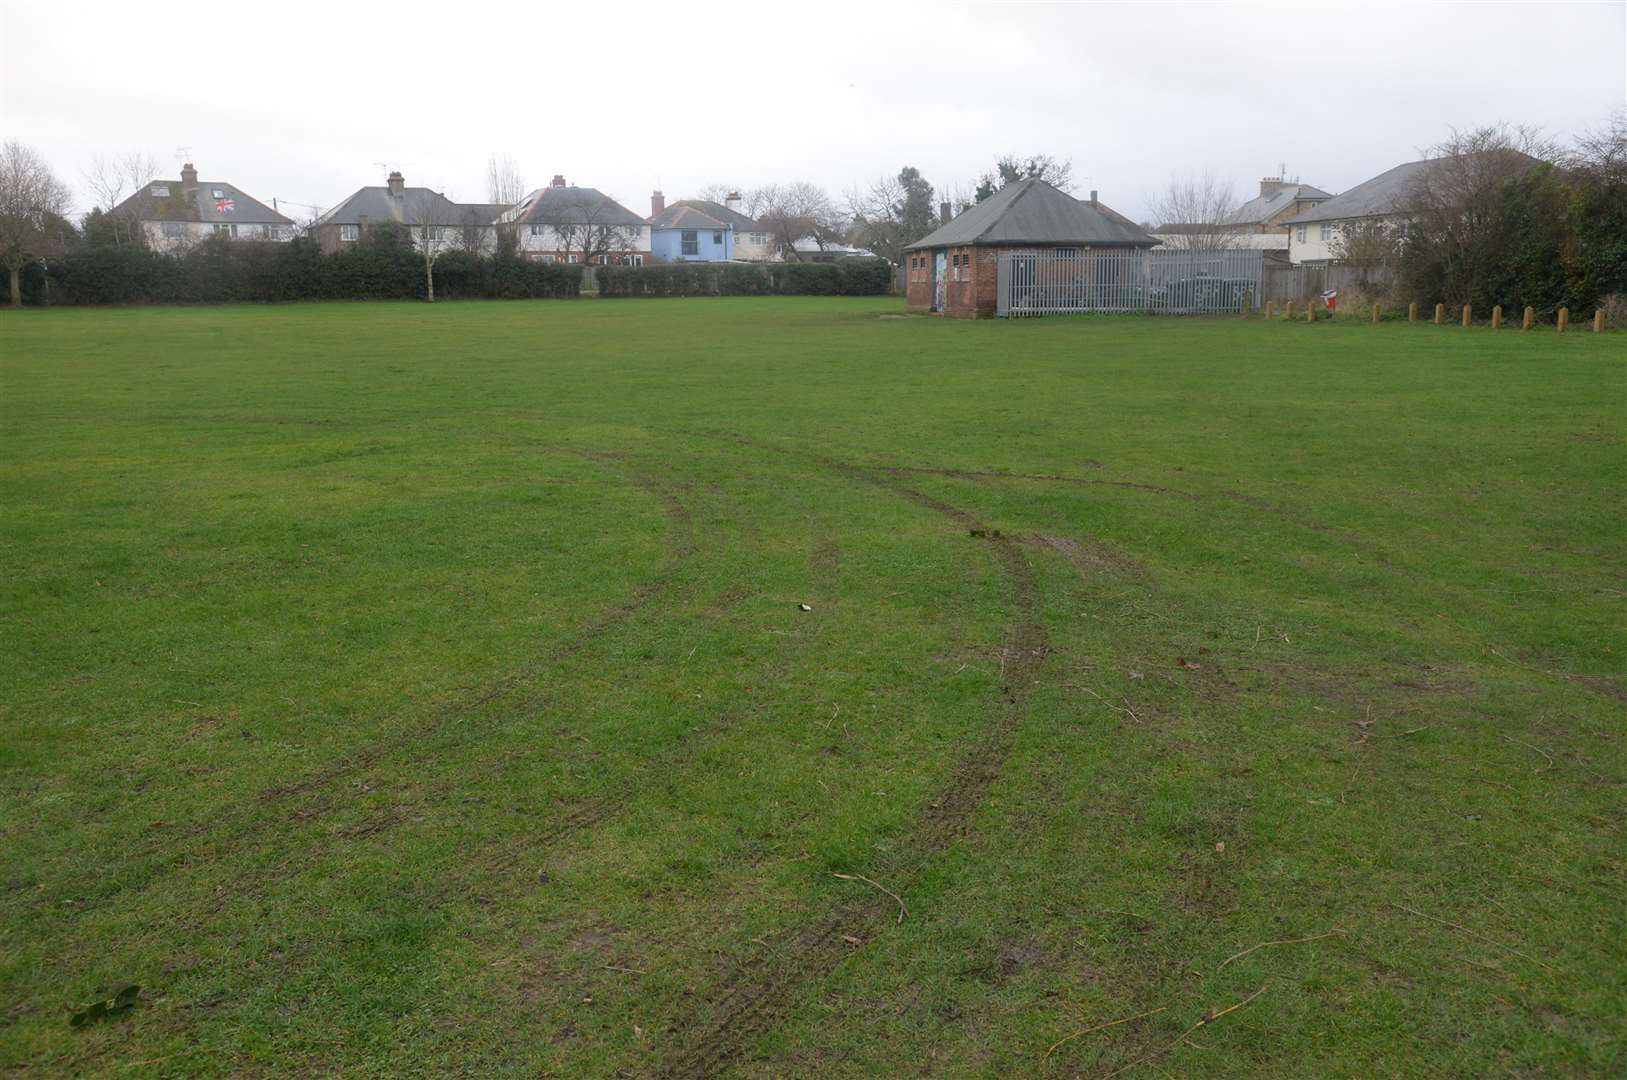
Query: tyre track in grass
{"points": [[314, 794], [758, 993]]}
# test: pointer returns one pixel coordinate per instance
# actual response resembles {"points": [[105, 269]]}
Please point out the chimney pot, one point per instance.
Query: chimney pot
{"points": [[945, 212], [397, 182], [1093, 196], [1269, 184], [558, 181], [658, 203]]}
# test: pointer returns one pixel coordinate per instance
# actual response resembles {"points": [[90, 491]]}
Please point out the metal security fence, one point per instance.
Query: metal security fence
{"points": [[1055, 281]]}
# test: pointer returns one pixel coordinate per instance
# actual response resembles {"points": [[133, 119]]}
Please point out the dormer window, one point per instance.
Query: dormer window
{"points": [[219, 193], [160, 191]]}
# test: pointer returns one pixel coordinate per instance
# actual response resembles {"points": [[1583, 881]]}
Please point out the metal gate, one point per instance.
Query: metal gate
{"points": [[1055, 281]]}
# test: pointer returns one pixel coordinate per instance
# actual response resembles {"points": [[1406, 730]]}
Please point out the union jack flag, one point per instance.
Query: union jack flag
{"points": [[225, 206]]}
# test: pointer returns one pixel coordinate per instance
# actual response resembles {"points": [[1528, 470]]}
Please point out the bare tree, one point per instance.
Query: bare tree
{"points": [[1452, 210], [1197, 213], [1009, 168], [113, 179], [33, 203], [718, 193], [892, 213], [797, 211], [586, 223], [432, 220]]}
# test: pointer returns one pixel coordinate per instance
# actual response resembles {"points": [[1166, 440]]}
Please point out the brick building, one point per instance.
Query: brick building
{"points": [[954, 269]]}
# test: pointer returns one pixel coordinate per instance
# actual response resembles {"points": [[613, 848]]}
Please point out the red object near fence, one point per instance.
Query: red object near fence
{"points": [[1331, 299]]}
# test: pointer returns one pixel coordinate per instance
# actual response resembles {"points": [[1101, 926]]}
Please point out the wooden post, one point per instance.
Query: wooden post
{"points": [[1530, 313], [1412, 311], [1375, 312], [1270, 308], [1440, 313], [1310, 311], [1496, 316], [1564, 318], [1465, 316], [1598, 320]]}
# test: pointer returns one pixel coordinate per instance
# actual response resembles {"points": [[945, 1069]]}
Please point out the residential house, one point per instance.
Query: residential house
{"points": [[749, 242], [683, 232], [455, 226], [953, 270], [577, 224], [812, 249], [176, 214], [1313, 235], [1257, 225]]}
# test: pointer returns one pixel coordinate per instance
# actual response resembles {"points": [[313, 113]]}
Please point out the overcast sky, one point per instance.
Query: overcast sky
{"points": [[309, 102]]}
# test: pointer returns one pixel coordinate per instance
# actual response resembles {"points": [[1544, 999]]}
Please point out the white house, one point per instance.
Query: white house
{"points": [[451, 226], [1313, 235], [177, 214], [564, 223]]}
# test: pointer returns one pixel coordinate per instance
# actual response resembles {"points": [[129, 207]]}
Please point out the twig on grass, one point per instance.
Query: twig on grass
{"points": [[628, 970], [1337, 930], [1474, 934], [1208, 1018], [1125, 708], [902, 910], [1100, 1027], [1538, 749]]}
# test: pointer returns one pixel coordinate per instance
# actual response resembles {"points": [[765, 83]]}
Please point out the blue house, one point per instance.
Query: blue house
{"points": [[681, 233]]}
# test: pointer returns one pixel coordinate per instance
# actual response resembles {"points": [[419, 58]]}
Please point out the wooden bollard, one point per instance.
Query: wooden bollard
{"points": [[1496, 316], [1465, 316], [1310, 311], [1412, 311], [1564, 318], [1530, 314], [1375, 312], [1598, 320], [1440, 313], [1270, 308]]}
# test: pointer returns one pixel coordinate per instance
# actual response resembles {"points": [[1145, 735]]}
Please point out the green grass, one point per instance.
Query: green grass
{"points": [[405, 690]]}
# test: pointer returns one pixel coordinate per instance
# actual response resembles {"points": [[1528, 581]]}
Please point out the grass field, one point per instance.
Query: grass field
{"points": [[403, 690]]}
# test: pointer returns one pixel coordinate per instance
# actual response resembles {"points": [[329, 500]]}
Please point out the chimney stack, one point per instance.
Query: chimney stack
{"points": [[396, 182], [558, 181], [1270, 184], [189, 176], [945, 212], [731, 201], [658, 203], [1093, 196]]}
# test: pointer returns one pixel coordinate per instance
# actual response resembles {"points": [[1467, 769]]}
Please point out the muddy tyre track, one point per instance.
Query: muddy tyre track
{"points": [[758, 993]]}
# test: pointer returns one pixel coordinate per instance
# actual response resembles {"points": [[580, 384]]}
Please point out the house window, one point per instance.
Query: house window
{"points": [[349, 232], [1327, 232], [576, 258], [636, 231], [690, 242], [160, 191], [174, 229], [218, 193], [1299, 234], [717, 238], [635, 260], [536, 230], [437, 233], [226, 229]]}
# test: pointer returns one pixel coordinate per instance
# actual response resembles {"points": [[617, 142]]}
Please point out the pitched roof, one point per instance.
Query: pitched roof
{"points": [[1033, 212], [1263, 207], [1372, 198], [684, 216], [740, 221], [580, 205], [379, 204], [199, 203]]}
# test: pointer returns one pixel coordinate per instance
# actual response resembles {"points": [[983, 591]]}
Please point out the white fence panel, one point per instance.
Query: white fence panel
{"points": [[1055, 281]]}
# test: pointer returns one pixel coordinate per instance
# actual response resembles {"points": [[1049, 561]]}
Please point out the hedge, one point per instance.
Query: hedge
{"points": [[385, 266], [847, 277]]}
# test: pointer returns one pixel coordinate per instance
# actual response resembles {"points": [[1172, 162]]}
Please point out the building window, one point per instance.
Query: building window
{"points": [[576, 258], [636, 231], [690, 242], [717, 238], [1299, 234], [349, 232], [218, 193], [160, 191], [174, 229], [635, 259], [226, 229], [1327, 232], [437, 233]]}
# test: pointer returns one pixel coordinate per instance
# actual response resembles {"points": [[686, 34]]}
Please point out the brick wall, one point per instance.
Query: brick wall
{"points": [[971, 276]]}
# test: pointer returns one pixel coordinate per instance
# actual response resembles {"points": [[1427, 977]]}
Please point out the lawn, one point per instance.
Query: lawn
{"points": [[760, 687]]}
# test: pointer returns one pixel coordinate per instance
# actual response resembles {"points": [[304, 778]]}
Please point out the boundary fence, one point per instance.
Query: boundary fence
{"points": [[1058, 281]]}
